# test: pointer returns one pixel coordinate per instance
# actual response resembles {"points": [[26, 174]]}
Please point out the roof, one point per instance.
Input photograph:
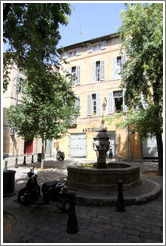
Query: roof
{"points": [[95, 40]]}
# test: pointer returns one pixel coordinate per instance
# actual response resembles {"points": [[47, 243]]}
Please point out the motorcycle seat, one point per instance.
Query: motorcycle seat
{"points": [[50, 184]]}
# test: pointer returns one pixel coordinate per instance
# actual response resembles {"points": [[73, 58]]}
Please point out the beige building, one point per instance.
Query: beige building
{"points": [[12, 144], [96, 65]]}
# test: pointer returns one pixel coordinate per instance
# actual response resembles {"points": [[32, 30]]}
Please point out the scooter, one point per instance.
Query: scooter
{"points": [[53, 192], [60, 155]]}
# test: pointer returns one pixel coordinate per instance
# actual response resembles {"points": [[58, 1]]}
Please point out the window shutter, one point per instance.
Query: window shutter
{"points": [[77, 104], [68, 74], [124, 59], [144, 103], [78, 51], [102, 70], [125, 108], [94, 72], [77, 75], [97, 104], [114, 63], [110, 103], [89, 104], [103, 45], [18, 84], [89, 48], [64, 55]]}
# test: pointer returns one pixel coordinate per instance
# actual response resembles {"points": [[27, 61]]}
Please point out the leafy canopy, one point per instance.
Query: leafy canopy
{"points": [[44, 113], [32, 32], [142, 37]]}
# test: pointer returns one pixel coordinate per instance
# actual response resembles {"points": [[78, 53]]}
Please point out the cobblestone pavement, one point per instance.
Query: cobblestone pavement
{"points": [[46, 224]]}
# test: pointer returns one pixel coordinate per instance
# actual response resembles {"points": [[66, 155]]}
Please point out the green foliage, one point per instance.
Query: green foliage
{"points": [[47, 109], [32, 31], [142, 37]]}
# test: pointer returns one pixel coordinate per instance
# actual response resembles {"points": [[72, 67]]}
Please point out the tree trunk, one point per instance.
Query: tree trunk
{"points": [[42, 157], [160, 153]]}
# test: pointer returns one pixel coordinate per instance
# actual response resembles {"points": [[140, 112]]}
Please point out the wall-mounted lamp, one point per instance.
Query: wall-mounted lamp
{"points": [[104, 104]]}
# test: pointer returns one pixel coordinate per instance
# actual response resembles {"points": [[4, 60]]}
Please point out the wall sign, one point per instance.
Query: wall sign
{"points": [[91, 129]]}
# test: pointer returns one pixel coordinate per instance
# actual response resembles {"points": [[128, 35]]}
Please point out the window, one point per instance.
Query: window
{"points": [[72, 53], [117, 67], [116, 101], [96, 47], [93, 104], [75, 71], [98, 71], [19, 84]]}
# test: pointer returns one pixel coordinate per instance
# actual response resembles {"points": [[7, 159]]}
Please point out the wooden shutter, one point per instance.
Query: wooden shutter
{"points": [[103, 45], [89, 48], [77, 75], [125, 108], [102, 70], [78, 51], [94, 72], [89, 104], [77, 104], [97, 104], [18, 88], [114, 63], [110, 103]]}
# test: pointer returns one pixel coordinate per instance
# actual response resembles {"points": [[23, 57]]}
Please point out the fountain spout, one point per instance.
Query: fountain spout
{"points": [[101, 146]]}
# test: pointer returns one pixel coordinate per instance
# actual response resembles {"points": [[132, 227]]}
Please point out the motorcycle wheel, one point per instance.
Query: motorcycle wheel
{"points": [[24, 197], [65, 208]]}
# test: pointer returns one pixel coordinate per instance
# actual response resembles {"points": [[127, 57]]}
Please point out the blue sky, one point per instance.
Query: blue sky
{"points": [[90, 20]]}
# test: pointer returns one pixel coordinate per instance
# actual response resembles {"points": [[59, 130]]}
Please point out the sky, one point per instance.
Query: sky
{"points": [[90, 20]]}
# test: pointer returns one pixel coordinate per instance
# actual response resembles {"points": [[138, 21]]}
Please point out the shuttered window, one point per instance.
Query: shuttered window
{"points": [[103, 45], [116, 67], [19, 84], [116, 100], [78, 51], [93, 104], [98, 71]]}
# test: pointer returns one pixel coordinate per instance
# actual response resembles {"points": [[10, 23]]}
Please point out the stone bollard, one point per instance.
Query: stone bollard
{"points": [[32, 160], [24, 162], [72, 223], [5, 167], [120, 202], [16, 163]]}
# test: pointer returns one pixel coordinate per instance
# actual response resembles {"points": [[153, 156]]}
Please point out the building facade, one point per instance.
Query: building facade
{"points": [[95, 65], [12, 144]]}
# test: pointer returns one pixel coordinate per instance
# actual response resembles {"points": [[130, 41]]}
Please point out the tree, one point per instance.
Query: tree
{"points": [[47, 109], [32, 32], [141, 33]]}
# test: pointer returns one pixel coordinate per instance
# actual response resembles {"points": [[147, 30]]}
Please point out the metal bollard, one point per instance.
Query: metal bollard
{"points": [[120, 202], [32, 161], [24, 162], [5, 167], [16, 163], [72, 223]]}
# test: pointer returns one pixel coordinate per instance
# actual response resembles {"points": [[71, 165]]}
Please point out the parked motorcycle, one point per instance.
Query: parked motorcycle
{"points": [[53, 192], [60, 155]]}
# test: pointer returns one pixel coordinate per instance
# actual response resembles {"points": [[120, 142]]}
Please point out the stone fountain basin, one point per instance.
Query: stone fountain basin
{"points": [[82, 177]]}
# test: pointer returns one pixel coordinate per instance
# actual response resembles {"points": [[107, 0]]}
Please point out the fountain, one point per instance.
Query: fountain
{"points": [[102, 176], [97, 183]]}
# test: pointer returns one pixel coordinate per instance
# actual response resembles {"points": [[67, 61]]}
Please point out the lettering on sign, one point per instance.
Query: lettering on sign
{"points": [[90, 129]]}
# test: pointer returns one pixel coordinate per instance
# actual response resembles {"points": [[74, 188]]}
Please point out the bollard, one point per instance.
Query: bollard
{"points": [[24, 162], [5, 167], [72, 223], [16, 163], [120, 202], [32, 161]]}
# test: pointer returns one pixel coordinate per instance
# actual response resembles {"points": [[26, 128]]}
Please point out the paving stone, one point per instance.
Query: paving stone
{"points": [[44, 224]]}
